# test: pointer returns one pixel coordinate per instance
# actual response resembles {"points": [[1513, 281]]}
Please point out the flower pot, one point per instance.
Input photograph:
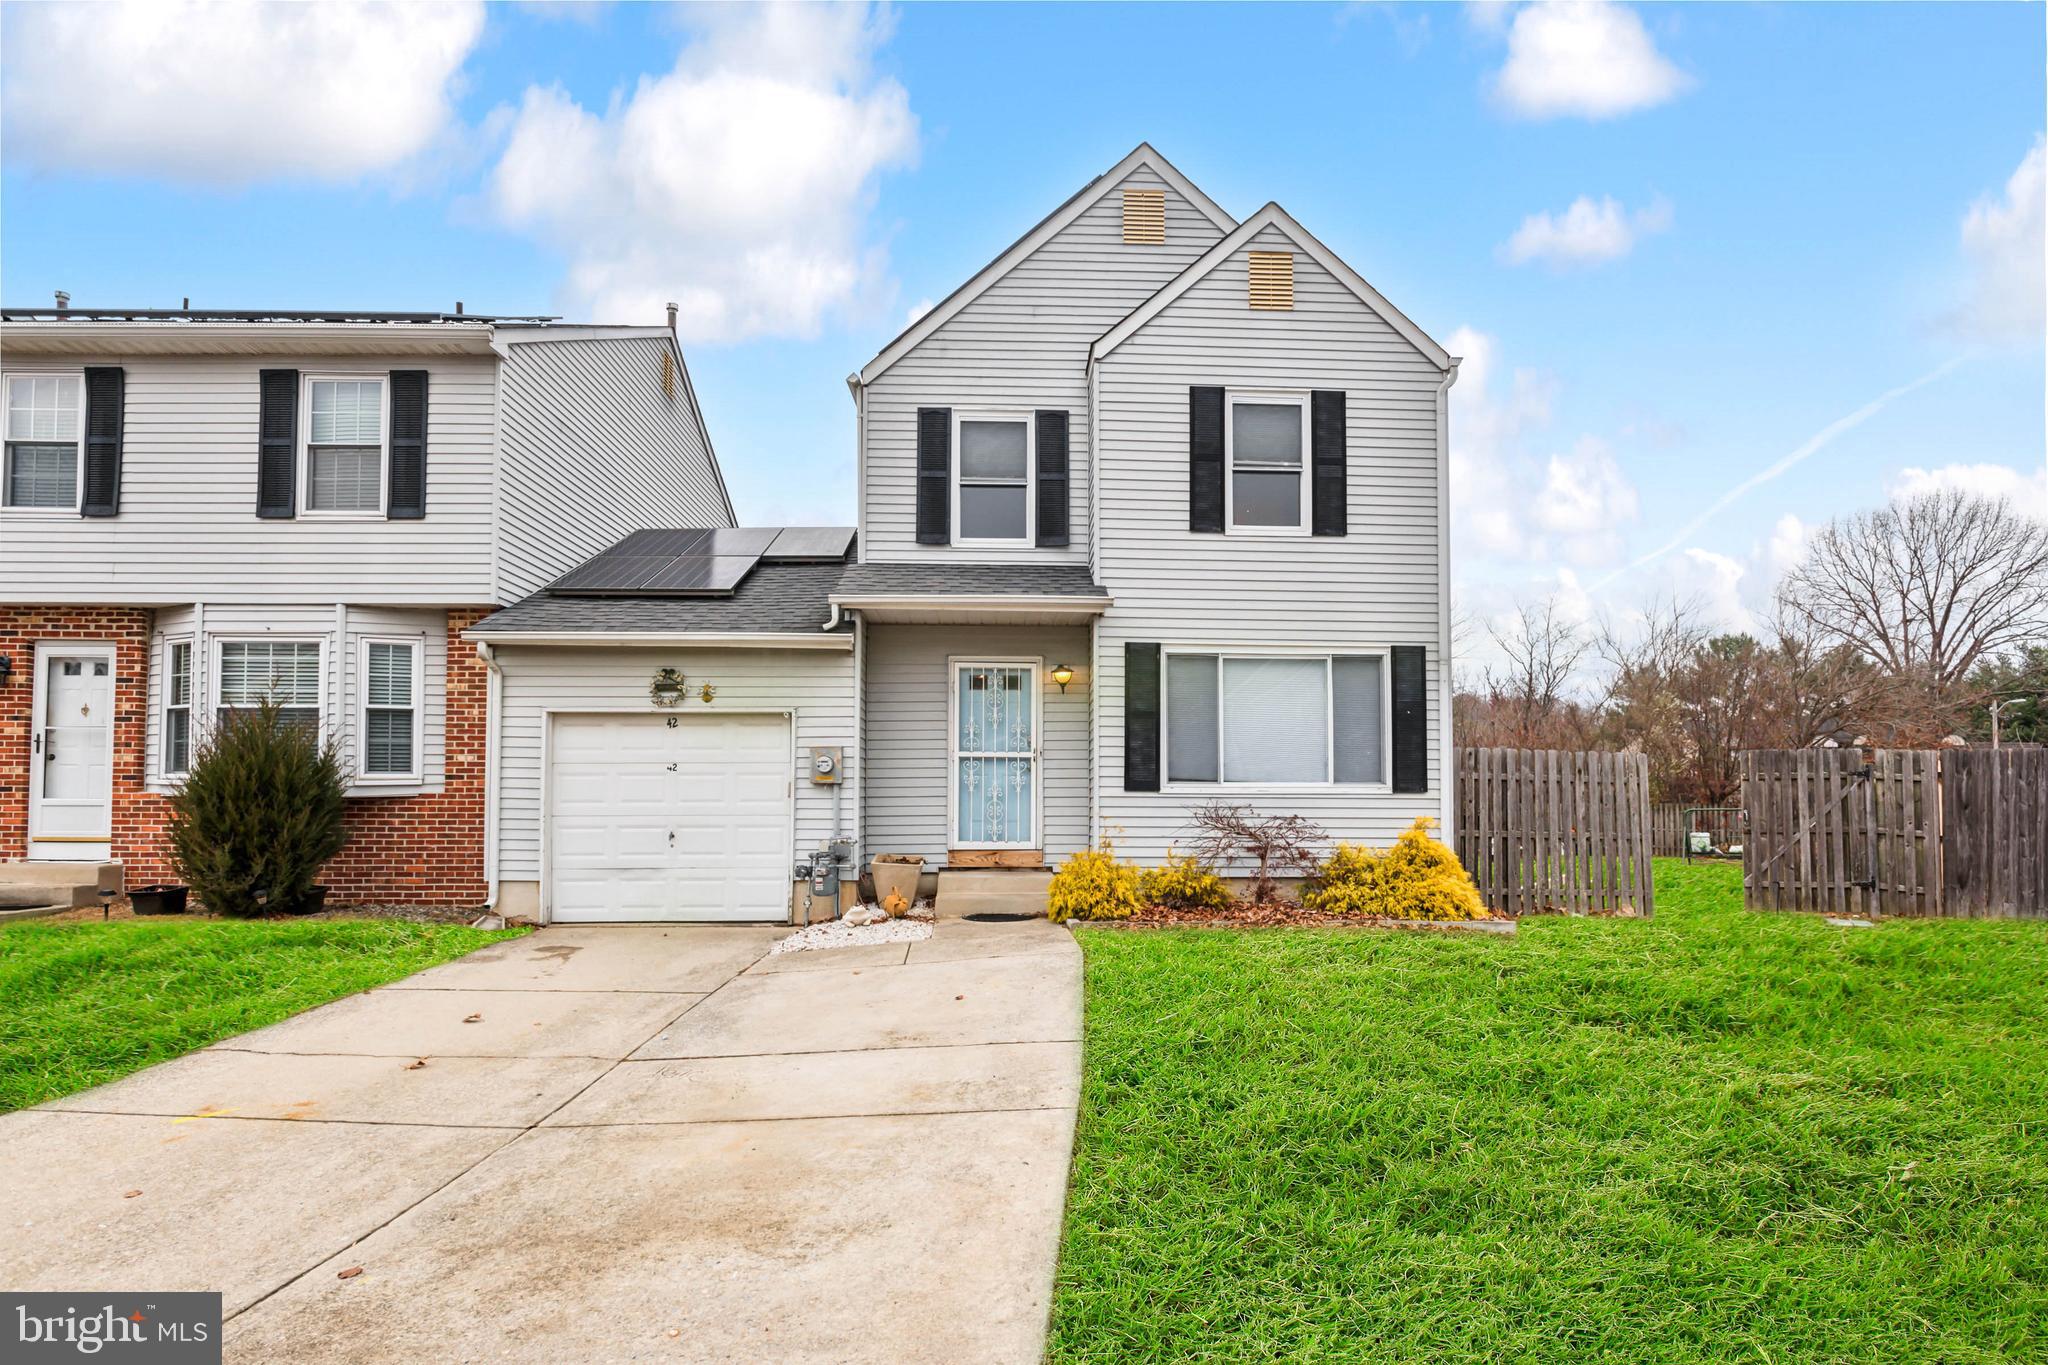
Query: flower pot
{"points": [[313, 903], [159, 899], [896, 874]]}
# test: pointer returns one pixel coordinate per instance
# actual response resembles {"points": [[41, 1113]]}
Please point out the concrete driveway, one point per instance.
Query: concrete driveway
{"points": [[597, 1143]]}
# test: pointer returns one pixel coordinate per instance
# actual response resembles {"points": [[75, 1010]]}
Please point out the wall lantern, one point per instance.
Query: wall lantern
{"points": [[1062, 675]]}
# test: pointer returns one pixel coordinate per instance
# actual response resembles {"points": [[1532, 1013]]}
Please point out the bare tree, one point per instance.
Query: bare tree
{"points": [[1527, 691], [1925, 589], [1278, 844]]}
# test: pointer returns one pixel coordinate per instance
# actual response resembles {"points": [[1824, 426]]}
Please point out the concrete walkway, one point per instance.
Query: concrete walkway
{"points": [[625, 1143]]}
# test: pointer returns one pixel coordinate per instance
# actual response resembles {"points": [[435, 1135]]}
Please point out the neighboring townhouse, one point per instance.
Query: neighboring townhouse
{"points": [[202, 509], [1152, 512]]}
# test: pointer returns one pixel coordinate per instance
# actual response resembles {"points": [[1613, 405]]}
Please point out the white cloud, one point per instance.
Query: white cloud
{"points": [[1506, 504], [1583, 58], [230, 93], [1584, 501], [2026, 492], [917, 310], [1585, 234], [2003, 243], [737, 184], [1787, 545]]}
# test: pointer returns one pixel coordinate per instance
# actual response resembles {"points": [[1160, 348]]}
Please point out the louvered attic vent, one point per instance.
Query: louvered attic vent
{"points": [[1144, 215], [1272, 279]]}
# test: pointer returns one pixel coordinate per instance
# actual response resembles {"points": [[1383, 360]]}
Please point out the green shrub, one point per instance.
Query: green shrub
{"points": [[1184, 884], [258, 815], [1418, 878], [1092, 884]]}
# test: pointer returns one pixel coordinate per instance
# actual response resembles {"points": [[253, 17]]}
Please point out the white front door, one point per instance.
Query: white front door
{"points": [[71, 774], [670, 817], [994, 796]]}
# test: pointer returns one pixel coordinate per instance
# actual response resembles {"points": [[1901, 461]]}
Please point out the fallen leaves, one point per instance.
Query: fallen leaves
{"points": [[349, 1274], [131, 1194], [473, 1019], [415, 1066]]}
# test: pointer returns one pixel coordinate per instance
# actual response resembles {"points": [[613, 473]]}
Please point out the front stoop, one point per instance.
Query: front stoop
{"points": [[29, 889], [992, 891]]}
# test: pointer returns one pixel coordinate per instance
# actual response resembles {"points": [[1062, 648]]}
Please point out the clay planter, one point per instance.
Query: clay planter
{"points": [[896, 874]]}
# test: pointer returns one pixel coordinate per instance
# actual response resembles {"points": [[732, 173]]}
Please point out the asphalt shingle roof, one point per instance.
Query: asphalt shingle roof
{"points": [[774, 597], [968, 580]]}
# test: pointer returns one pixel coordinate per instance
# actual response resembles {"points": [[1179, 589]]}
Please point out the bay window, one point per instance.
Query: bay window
{"points": [[389, 726], [177, 717], [250, 672]]}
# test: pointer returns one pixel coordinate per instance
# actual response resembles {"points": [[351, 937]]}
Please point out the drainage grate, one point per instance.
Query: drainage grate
{"points": [[990, 917]]}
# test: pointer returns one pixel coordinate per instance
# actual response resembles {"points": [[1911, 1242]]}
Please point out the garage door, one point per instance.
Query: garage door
{"points": [[669, 818]]}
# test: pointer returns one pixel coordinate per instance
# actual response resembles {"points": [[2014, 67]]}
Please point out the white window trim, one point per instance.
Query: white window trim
{"points": [[1030, 538], [1329, 654], [305, 455], [362, 776], [78, 493], [220, 642], [1269, 397], [165, 706], [1036, 688]]}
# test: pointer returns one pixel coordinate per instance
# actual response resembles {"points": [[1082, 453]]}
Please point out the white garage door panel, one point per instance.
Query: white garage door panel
{"points": [[657, 822]]}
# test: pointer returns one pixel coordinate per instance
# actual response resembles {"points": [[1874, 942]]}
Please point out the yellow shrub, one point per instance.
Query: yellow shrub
{"points": [[1184, 884], [1092, 884], [1418, 878]]}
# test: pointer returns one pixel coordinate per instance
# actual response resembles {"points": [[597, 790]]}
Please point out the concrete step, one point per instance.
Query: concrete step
{"points": [[992, 891], [27, 886]]}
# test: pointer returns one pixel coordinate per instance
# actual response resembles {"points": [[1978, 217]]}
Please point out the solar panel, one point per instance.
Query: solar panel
{"points": [[709, 575], [810, 543], [696, 561]]}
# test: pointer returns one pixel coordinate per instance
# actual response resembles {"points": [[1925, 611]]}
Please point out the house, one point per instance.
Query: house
{"points": [[200, 509], [1152, 512]]}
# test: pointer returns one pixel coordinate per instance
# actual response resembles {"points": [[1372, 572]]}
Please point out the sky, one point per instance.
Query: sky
{"points": [[1718, 273]]}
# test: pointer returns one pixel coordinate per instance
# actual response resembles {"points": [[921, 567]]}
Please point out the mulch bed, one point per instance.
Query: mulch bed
{"points": [[1279, 915]]}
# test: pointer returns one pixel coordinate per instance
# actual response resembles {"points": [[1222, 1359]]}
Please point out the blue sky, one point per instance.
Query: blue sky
{"points": [[1790, 212]]}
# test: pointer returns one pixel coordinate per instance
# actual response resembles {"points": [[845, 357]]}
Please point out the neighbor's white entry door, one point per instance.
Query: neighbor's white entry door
{"points": [[670, 817], [71, 787]]}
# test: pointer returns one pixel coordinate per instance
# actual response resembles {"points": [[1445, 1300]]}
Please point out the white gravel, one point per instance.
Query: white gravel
{"points": [[836, 933]]}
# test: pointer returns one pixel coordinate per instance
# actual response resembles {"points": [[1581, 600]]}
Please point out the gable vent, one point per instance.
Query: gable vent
{"points": [[1144, 215], [1272, 279]]}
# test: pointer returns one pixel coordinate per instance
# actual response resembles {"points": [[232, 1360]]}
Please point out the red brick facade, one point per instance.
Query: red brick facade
{"points": [[412, 850]]}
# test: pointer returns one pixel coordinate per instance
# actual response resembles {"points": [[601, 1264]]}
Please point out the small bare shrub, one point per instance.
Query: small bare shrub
{"points": [[1279, 845]]}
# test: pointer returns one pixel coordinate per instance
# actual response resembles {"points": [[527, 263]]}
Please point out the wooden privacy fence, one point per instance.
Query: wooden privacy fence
{"points": [[1958, 832], [1556, 830]]}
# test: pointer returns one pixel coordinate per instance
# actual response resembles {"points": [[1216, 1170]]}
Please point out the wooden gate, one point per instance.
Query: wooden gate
{"points": [[1896, 831], [1558, 831]]}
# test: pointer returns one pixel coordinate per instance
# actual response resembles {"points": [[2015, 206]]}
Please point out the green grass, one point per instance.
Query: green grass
{"points": [[82, 1004], [1710, 1136]]}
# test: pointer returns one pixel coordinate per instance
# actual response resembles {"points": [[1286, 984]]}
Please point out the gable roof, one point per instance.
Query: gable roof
{"points": [[1048, 227], [1271, 216]]}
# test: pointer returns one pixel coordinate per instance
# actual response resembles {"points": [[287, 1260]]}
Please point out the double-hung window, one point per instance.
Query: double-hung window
{"points": [[177, 717], [250, 672], [1285, 719], [345, 437], [1266, 485], [992, 503], [45, 416], [389, 683]]}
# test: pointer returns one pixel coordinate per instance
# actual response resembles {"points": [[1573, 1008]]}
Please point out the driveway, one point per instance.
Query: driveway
{"points": [[597, 1143]]}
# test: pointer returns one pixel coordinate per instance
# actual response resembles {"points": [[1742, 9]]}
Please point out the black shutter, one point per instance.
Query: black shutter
{"points": [[1205, 459], [277, 444], [1411, 718], [1052, 478], [1141, 718], [934, 476], [1327, 459], [105, 394], [406, 495]]}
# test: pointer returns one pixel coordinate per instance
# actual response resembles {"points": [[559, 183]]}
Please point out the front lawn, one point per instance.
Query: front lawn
{"points": [[1709, 1136], [84, 1004]]}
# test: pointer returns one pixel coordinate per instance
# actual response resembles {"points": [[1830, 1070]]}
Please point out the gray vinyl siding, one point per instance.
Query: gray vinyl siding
{"points": [[816, 684], [188, 529], [1376, 587], [340, 650], [592, 449], [907, 712], [1023, 344]]}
